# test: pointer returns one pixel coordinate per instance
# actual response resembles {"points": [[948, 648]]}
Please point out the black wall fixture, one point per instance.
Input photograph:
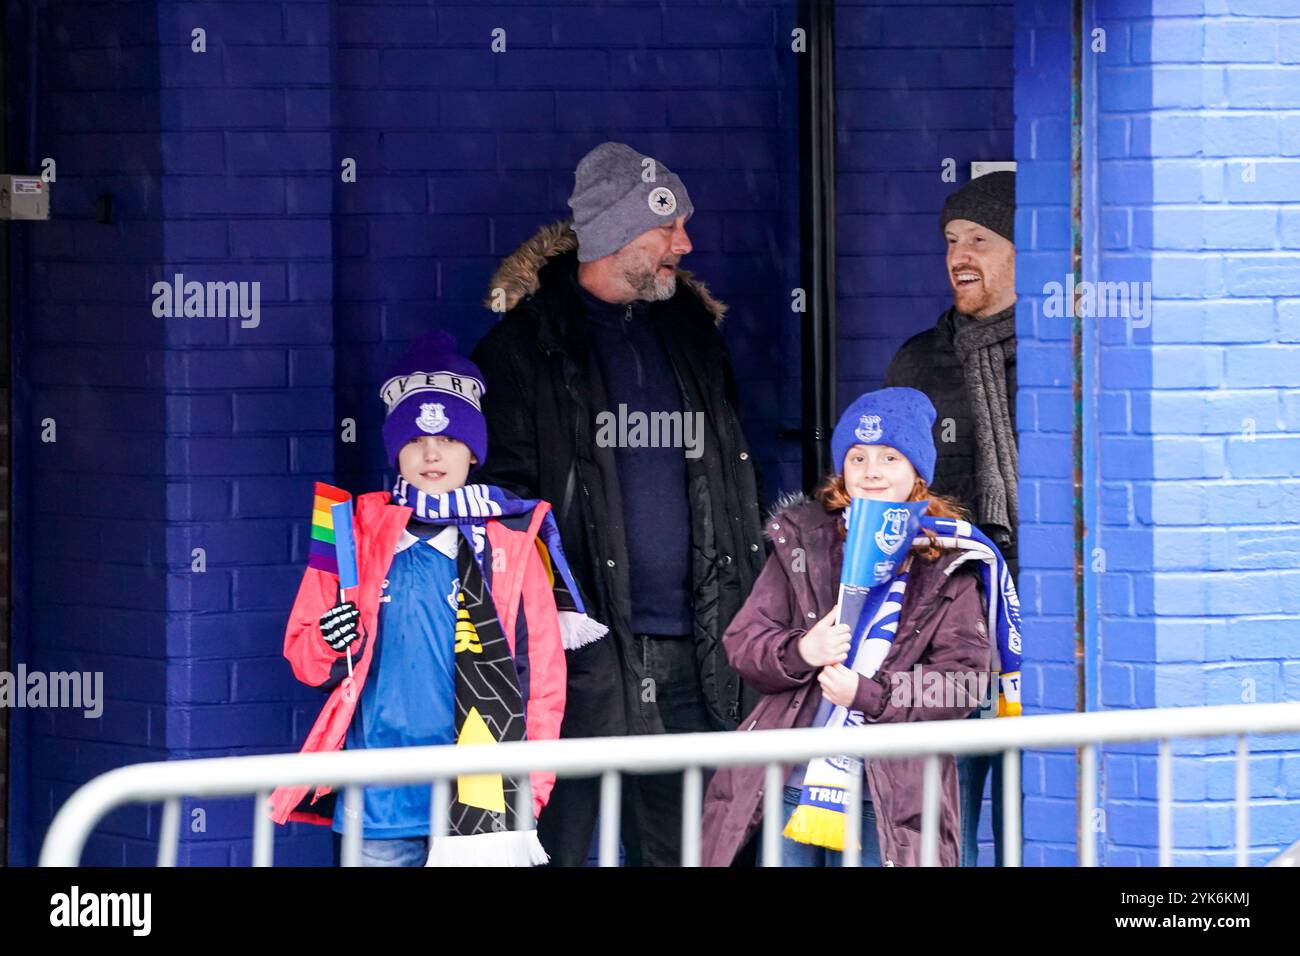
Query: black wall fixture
{"points": [[817, 234]]}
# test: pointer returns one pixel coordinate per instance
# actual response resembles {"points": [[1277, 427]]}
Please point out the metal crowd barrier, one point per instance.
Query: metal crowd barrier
{"points": [[610, 757]]}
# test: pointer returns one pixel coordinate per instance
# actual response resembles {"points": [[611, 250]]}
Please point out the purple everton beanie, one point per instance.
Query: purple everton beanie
{"points": [[902, 418], [433, 390]]}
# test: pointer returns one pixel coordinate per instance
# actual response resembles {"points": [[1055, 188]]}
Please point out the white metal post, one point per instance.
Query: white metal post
{"points": [[1088, 806], [610, 811], [773, 814], [1011, 807]]}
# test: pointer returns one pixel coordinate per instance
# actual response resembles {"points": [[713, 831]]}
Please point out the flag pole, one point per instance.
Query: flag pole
{"points": [[341, 600]]}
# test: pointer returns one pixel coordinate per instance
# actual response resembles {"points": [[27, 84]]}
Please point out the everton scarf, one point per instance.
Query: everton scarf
{"points": [[1000, 593], [820, 817], [470, 507], [485, 826]]}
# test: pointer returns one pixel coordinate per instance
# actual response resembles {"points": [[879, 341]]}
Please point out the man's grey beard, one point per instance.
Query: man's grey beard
{"points": [[649, 287]]}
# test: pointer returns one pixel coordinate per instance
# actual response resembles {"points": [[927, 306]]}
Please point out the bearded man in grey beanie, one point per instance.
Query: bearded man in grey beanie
{"points": [[604, 334], [966, 364]]}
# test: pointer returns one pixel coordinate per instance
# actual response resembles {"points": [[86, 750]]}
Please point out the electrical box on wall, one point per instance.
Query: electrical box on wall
{"points": [[24, 197], [980, 168]]}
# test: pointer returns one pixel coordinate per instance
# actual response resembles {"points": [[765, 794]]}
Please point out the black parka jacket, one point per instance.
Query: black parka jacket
{"points": [[543, 393]]}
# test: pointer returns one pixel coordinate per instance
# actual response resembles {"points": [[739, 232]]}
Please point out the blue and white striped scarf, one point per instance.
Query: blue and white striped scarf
{"points": [[999, 592], [470, 507], [819, 818]]}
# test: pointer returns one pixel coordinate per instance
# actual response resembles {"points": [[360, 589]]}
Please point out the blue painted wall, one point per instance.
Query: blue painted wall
{"points": [[181, 434], [248, 195], [1044, 416], [1190, 423], [1199, 454], [917, 83], [462, 154], [97, 591]]}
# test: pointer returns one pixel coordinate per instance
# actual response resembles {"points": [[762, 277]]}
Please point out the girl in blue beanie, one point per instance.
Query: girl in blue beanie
{"points": [[786, 644]]}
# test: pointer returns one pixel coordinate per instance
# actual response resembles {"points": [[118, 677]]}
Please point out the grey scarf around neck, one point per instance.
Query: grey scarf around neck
{"points": [[985, 347]]}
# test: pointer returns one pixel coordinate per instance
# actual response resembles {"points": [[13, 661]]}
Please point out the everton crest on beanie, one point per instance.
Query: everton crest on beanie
{"points": [[433, 390], [901, 418]]}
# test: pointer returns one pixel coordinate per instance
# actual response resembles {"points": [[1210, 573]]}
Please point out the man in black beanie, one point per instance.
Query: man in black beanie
{"points": [[966, 364]]}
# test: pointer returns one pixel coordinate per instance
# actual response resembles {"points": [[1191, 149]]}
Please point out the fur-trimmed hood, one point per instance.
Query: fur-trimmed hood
{"points": [[785, 501], [797, 509], [517, 273]]}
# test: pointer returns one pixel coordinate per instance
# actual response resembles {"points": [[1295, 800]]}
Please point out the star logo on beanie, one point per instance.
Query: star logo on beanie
{"points": [[433, 418], [662, 201], [869, 429]]}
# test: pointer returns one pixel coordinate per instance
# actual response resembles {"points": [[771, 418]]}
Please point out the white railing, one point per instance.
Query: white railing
{"points": [[609, 757]]}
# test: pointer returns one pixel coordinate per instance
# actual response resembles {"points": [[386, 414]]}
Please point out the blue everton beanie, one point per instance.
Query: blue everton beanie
{"points": [[433, 390], [899, 417]]}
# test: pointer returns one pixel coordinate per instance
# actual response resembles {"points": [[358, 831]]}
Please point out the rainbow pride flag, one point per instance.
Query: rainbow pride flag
{"points": [[333, 548]]}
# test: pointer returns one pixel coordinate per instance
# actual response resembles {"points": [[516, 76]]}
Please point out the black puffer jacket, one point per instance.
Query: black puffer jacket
{"points": [[542, 394], [929, 363]]}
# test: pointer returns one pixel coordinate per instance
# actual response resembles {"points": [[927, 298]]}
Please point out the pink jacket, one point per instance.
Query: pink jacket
{"points": [[520, 582]]}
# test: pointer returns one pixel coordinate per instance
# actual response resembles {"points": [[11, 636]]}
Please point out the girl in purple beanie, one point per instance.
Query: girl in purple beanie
{"points": [[457, 634]]}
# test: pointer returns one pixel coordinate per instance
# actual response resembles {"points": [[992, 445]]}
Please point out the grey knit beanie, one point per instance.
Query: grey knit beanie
{"points": [[617, 195], [989, 200]]}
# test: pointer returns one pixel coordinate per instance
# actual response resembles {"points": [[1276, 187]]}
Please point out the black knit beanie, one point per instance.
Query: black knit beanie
{"points": [[989, 200]]}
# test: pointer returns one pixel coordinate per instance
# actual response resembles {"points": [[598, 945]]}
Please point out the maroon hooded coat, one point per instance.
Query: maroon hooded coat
{"points": [[941, 628]]}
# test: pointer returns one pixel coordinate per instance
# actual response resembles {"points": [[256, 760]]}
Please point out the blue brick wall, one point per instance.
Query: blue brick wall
{"points": [[463, 153], [225, 166], [1197, 181], [250, 166], [93, 360], [177, 434], [1045, 414], [1189, 451], [916, 83]]}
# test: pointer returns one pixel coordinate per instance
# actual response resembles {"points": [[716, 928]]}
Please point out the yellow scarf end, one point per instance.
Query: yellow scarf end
{"points": [[816, 826]]}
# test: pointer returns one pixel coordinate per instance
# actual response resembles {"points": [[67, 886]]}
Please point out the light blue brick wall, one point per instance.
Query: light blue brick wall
{"points": [[1189, 411], [1198, 183]]}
